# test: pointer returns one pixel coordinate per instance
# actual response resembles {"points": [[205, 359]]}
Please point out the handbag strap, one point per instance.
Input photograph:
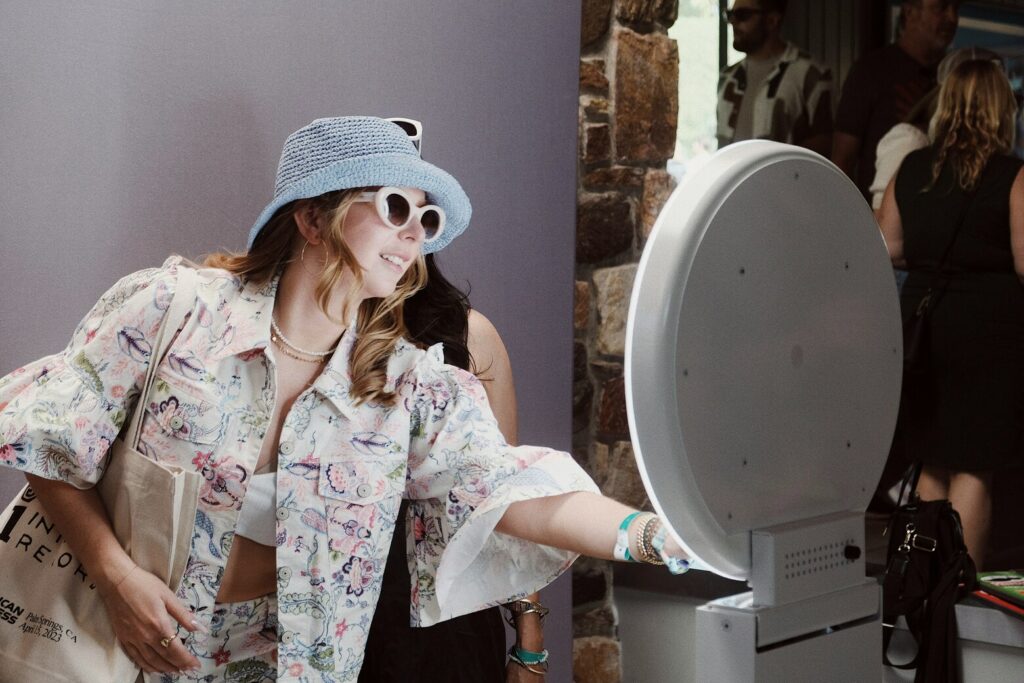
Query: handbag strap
{"points": [[909, 483], [927, 301], [182, 303], [908, 486], [890, 596], [939, 642]]}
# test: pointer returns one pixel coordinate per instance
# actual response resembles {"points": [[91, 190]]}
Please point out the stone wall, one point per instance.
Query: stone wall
{"points": [[629, 75]]}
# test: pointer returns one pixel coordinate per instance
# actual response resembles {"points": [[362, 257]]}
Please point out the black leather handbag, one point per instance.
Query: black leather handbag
{"points": [[927, 572]]}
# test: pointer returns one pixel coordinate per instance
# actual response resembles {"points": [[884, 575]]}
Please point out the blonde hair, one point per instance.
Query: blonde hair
{"points": [[379, 321], [975, 120]]}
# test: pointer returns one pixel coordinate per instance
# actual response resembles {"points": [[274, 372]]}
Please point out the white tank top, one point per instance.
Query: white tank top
{"points": [[258, 521]]}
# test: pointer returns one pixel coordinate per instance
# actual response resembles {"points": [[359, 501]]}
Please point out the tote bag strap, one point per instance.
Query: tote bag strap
{"points": [[181, 306]]}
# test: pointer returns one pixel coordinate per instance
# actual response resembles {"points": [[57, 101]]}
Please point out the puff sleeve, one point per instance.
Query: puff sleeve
{"points": [[60, 414], [462, 477]]}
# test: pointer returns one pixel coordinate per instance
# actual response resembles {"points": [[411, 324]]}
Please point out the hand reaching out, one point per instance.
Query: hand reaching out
{"points": [[672, 554]]}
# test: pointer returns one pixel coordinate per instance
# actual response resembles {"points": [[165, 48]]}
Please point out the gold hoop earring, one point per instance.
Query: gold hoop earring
{"points": [[302, 260]]}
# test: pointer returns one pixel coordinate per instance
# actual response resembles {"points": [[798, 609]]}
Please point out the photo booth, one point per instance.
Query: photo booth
{"points": [[763, 363]]}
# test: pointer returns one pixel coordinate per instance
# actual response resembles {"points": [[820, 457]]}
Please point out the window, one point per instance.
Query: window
{"points": [[698, 32]]}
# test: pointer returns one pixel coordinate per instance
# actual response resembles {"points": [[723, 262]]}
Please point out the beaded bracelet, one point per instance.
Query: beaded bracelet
{"points": [[644, 545], [621, 551]]}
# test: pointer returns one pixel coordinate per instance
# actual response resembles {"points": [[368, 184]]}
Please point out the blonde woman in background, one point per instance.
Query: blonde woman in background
{"points": [[912, 133], [964, 418]]}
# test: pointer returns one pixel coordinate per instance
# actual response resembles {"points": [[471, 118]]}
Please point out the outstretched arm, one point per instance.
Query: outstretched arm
{"points": [[586, 523]]}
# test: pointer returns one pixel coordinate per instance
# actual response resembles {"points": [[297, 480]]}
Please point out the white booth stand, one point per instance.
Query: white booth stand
{"points": [[763, 361]]}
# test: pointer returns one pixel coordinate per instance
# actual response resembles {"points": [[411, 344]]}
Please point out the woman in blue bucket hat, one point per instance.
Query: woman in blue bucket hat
{"points": [[293, 391]]}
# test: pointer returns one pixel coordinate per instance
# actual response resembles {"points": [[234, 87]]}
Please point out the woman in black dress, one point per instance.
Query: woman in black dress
{"points": [[397, 652], [964, 418]]}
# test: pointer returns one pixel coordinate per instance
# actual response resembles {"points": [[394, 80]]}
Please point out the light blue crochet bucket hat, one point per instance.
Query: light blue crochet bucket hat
{"points": [[362, 151]]}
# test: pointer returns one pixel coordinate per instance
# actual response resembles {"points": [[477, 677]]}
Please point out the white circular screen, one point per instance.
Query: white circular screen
{"points": [[763, 350]]}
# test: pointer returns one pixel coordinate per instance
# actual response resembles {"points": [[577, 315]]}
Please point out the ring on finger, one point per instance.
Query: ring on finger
{"points": [[166, 642]]}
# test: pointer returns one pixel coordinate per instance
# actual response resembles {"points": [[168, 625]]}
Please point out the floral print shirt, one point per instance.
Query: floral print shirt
{"points": [[343, 468]]}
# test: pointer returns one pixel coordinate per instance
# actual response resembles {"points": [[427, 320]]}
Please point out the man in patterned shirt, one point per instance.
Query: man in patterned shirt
{"points": [[777, 92]]}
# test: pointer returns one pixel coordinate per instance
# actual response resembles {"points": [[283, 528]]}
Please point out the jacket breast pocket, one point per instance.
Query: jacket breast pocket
{"points": [[361, 493], [367, 468], [181, 422], [355, 480]]}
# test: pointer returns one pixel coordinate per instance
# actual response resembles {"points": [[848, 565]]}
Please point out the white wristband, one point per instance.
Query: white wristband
{"points": [[621, 551]]}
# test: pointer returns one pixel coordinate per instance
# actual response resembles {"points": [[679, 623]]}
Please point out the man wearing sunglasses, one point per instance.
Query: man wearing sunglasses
{"points": [[777, 92]]}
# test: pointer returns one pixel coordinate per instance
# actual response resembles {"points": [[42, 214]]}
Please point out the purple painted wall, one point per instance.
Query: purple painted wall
{"points": [[133, 129]]}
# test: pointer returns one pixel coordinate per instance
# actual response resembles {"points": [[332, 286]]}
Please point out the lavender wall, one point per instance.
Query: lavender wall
{"points": [[132, 129]]}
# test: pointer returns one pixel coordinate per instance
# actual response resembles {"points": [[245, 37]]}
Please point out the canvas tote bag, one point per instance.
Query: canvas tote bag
{"points": [[53, 624]]}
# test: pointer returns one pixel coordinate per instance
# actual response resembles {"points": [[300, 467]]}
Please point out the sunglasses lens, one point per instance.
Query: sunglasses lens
{"points": [[740, 15], [408, 126], [431, 222], [398, 209]]}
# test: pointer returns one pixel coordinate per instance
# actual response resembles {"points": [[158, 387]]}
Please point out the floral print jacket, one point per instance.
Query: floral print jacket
{"points": [[343, 468]]}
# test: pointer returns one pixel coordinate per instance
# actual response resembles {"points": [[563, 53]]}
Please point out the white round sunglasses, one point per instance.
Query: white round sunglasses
{"points": [[397, 209]]}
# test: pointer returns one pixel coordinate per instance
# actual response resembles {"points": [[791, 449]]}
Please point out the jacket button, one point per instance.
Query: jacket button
{"points": [[287, 447], [282, 513], [177, 422], [363, 490]]}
